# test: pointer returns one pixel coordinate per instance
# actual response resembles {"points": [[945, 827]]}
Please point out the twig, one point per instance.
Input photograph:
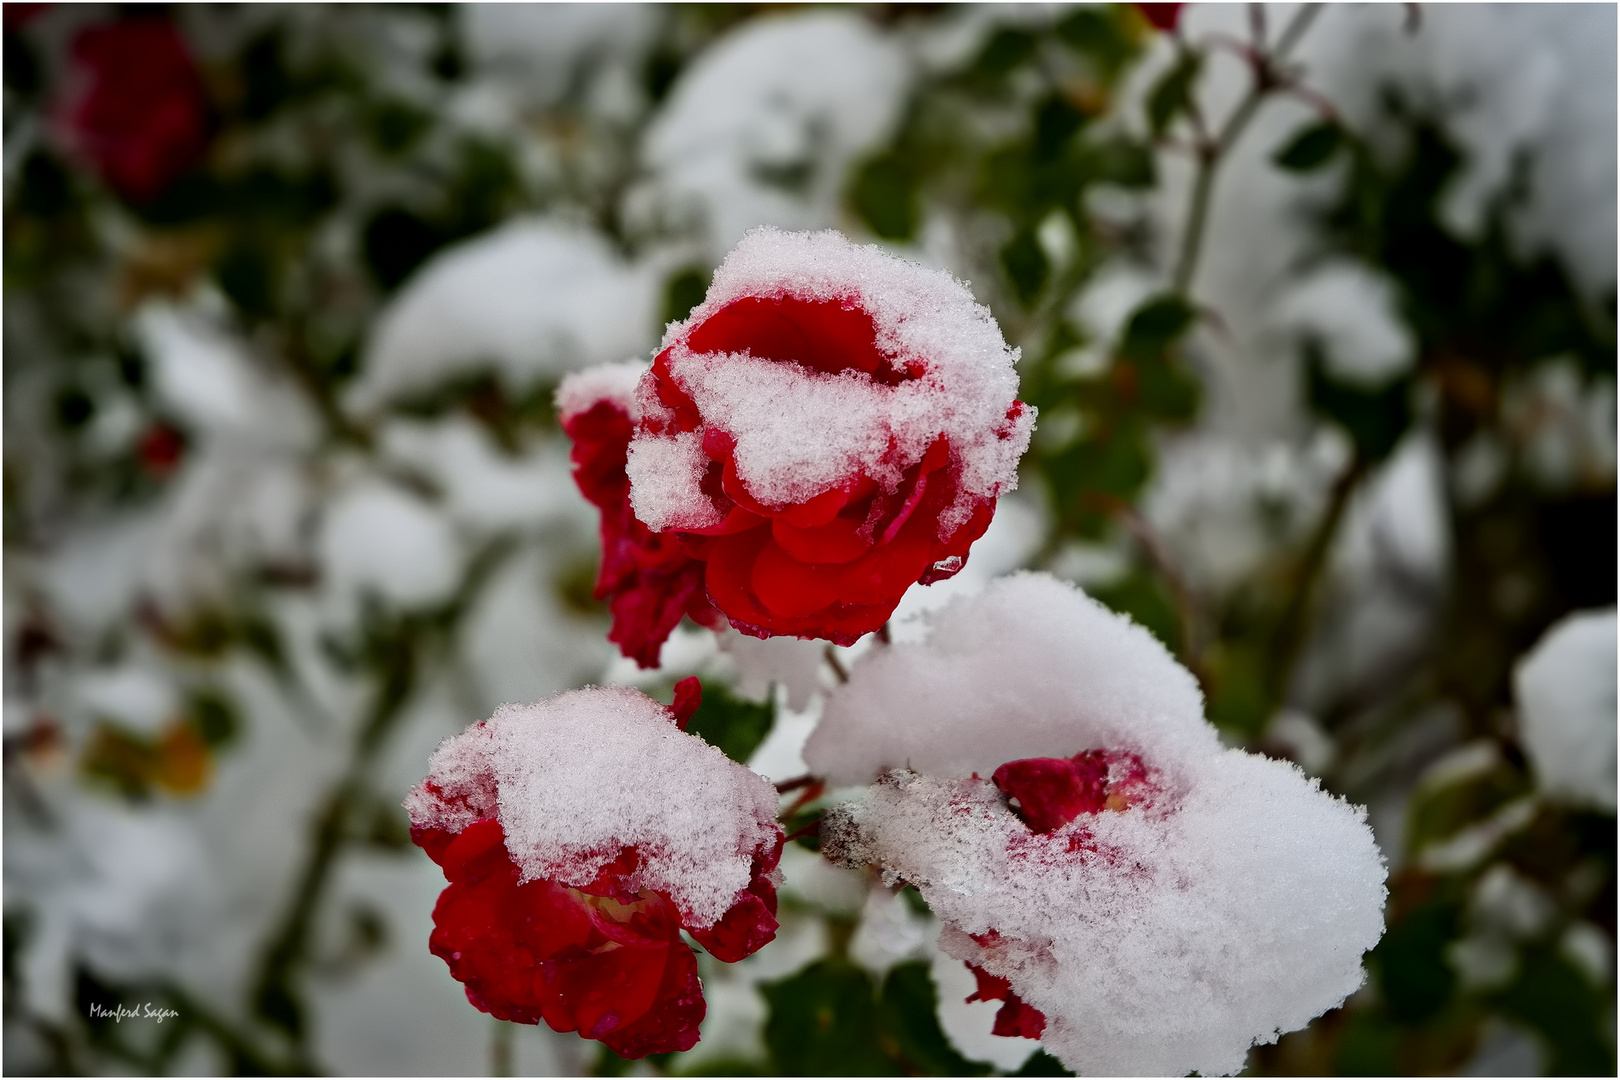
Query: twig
{"points": [[1267, 79], [1288, 640], [836, 664]]}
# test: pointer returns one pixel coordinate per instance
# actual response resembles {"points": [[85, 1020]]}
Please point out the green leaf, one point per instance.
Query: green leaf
{"points": [[1026, 265], [213, 716], [1554, 998], [1156, 326], [1413, 974], [1144, 598], [884, 193], [1375, 419], [1041, 1063], [1310, 148], [908, 1014], [1097, 32], [1172, 94], [1056, 121], [1007, 48], [823, 1022], [730, 723], [683, 292]]}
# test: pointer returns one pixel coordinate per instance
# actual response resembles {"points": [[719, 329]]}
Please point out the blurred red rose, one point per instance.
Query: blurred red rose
{"points": [[160, 449], [135, 107], [1163, 16]]}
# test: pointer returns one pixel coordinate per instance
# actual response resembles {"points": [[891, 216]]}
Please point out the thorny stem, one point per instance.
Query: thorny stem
{"points": [[1211, 152]]}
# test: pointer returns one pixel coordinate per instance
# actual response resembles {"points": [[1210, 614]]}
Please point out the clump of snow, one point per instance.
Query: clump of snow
{"points": [[800, 432], [532, 300], [546, 49], [1028, 668], [1565, 689], [580, 391], [1156, 941], [577, 778], [763, 127], [378, 538], [1230, 906], [485, 487], [1353, 314]]}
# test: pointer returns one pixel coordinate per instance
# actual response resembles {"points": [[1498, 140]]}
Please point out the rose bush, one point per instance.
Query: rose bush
{"points": [[579, 837]]}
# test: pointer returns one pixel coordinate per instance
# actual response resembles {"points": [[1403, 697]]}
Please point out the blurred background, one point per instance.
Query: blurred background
{"points": [[1317, 305]]}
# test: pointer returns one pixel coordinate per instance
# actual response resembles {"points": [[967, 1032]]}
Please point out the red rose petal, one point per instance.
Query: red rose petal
{"points": [[1052, 792], [838, 541], [688, 696], [825, 335]]}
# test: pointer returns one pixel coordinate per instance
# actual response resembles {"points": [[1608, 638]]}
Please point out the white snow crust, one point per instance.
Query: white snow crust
{"points": [[801, 432], [580, 391], [1232, 906], [1030, 667], [575, 779], [1565, 688]]}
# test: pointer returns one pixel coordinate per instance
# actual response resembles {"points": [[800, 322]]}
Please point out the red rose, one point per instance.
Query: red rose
{"points": [[580, 836], [1162, 16], [135, 107], [830, 426], [647, 578]]}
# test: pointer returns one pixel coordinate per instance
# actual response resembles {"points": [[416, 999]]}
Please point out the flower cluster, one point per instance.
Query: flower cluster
{"points": [[830, 427]]}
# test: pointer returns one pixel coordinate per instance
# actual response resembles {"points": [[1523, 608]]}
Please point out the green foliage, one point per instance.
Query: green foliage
{"points": [[733, 724], [1374, 419], [1172, 95], [684, 291], [831, 1020], [1310, 148]]}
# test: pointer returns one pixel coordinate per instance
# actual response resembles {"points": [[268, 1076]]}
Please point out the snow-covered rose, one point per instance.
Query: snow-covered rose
{"points": [[580, 836], [1141, 899], [829, 427]]}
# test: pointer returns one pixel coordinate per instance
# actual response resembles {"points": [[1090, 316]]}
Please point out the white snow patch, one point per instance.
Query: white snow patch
{"points": [[1565, 689], [763, 127], [531, 300]]}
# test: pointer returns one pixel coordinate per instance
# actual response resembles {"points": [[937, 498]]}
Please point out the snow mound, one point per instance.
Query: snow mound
{"points": [[1030, 667], [532, 300], [1565, 689], [577, 778], [763, 127]]}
